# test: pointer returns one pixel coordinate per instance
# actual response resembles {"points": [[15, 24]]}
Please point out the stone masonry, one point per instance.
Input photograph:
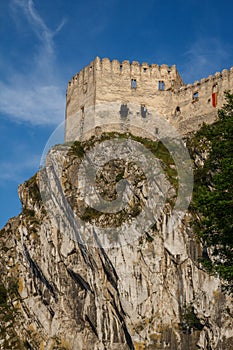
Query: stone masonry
{"points": [[107, 92]]}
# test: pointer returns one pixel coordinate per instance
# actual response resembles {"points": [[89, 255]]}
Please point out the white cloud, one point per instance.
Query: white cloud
{"points": [[204, 57], [37, 96]]}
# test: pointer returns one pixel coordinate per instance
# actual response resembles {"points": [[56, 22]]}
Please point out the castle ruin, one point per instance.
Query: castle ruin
{"points": [[112, 93]]}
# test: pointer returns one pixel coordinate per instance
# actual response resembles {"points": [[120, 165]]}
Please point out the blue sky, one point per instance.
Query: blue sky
{"points": [[43, 43]]}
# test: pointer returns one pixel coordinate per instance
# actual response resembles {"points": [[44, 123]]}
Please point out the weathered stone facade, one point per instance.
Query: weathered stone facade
{"points": [[160, 89]]}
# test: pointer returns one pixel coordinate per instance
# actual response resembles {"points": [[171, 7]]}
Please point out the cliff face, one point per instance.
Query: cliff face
{"points": [[64, 291]]}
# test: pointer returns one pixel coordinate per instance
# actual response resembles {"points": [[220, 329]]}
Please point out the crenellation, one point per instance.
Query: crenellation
{"points": [[135, 69], [106, 65], [116, 66], [210, 77], [203, 81], [97, 64], [126, 67], [159, 88], [225, 72], [164, 70], [86, 74], [81, 77], [155, 73], [173, 72], [145, 70]]}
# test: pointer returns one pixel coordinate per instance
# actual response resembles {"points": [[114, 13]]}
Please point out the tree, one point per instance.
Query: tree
{"points": [[213, 191]]}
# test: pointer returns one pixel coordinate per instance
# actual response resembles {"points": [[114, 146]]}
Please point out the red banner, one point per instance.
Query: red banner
{"points": [[214, 99]]}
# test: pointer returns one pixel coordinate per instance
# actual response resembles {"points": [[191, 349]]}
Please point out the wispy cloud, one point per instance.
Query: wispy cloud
{"points": [[204, 57], [15, 171], [38, 95]]}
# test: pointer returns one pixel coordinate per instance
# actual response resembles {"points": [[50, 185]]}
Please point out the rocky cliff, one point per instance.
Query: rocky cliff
{"points": [[62, 288]]}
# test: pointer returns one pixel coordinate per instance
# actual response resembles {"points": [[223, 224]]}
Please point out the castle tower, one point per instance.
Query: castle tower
{"points": [[109, 92]]}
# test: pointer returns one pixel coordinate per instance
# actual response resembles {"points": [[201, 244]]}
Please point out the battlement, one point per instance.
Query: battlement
{"points": [[125, 68], [160, 88]]}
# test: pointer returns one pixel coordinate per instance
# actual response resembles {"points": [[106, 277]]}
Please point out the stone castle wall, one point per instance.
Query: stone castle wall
{"points": [[155, 88]]}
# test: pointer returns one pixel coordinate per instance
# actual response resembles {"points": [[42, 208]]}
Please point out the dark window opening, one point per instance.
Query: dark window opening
{"points": [[82, 110], [156, 130], [215, 88], [124, 111], [195, 96], [143, 111], [120, 67], [169, 72], [144, 69], [133, 83], [177, 109], [90, 67], [161, 85]]}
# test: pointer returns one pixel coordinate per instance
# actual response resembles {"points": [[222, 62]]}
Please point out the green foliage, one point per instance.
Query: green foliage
{"points": [[157, 148], [77, 149], [213, 190], [119, 177], [190, 319]]}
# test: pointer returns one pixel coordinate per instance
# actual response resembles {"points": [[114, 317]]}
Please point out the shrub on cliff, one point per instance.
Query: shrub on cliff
{"points": [[213, 191]]}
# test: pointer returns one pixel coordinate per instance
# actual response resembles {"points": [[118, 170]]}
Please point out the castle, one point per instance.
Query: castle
{"points": [[112, 96]]}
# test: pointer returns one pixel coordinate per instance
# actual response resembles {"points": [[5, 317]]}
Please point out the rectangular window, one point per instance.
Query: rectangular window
{"points": [[124, 111], [161, 85], [143, 111], [195, 96], [133, 83]]}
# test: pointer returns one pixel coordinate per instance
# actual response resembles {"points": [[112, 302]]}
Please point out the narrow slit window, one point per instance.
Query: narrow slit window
{"points": [[195, 96], [215, 88], [156, 131], [143, 111], [133, 83], [120, 67], [161, 85], [84, 88], [82, 110]]}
